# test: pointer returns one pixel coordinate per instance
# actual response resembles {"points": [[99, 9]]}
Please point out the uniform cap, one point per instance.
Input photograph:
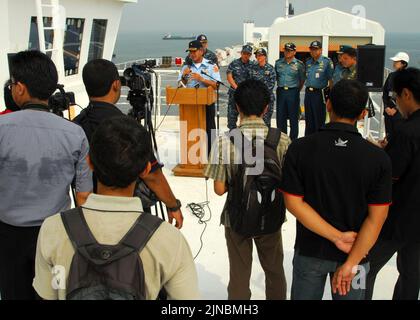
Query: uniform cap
{"points": [[247, 48], [202, 38], [316, 45], [261, 51], [342, 48], [194, 45], [290, 47]]}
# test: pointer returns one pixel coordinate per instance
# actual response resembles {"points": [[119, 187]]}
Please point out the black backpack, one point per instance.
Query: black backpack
{"points": [[102, 272], [254, 202]]}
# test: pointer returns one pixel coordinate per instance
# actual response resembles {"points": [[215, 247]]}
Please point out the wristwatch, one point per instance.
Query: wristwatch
{"points": [[177, 207]]}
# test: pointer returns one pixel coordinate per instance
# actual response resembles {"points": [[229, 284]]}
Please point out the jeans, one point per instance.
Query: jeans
{"points": [[310, 275]]}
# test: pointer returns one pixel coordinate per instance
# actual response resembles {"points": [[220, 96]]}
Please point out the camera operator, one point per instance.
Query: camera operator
{"points": [[40, 155], [103, 86], [9, 103]]}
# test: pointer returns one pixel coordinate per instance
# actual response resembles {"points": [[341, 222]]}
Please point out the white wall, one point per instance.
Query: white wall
{"points": [[322, 23], [15, 26]]}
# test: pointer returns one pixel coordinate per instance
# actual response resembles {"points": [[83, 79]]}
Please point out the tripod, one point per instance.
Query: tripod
{"points": [[146, 121]]}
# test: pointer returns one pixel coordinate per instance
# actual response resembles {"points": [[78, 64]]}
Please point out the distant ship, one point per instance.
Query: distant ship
{"points": [[171, 37]]}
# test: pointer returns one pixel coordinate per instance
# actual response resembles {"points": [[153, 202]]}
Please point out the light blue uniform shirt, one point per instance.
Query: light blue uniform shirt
{"points": [[319, 73], [206, 66], [290, 75], [40, 155]]}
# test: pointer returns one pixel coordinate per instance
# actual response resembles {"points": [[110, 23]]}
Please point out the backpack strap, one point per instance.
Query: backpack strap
{"points": [[77, 228], [273, 138], [141, 232]]}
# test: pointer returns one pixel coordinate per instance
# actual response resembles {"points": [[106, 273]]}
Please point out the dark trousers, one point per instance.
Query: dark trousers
{"points": [[17, 262], [391, 123], [408, 264], [315, 112], [210, 126], [233, 113], [270, 253], [288, 104]]}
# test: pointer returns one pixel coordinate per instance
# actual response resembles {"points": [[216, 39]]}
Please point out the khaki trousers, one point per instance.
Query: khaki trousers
{"points": [[270, 253]]}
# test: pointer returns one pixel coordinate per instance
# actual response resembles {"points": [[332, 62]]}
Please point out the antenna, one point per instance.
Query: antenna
{"points": [[287, 7]]}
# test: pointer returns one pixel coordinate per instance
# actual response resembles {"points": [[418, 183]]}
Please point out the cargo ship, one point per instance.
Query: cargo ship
{"points": [[171, 37]]}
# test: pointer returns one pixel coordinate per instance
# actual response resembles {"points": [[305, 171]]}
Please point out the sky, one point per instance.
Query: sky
{"points": [[171, 16]]}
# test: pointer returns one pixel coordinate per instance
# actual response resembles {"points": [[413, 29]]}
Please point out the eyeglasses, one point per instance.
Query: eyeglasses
{"points": [[9, 84]]}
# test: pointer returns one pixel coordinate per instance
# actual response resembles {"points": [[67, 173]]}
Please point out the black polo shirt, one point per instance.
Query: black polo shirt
{"points": [[92, 116], [404, 150], [339, 174]]}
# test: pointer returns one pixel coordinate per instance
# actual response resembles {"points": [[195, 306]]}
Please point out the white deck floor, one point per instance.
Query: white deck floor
{"points": [[212, 263]]}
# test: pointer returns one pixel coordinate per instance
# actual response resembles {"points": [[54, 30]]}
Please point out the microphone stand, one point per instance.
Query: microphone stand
{"points": [[218, 98]]}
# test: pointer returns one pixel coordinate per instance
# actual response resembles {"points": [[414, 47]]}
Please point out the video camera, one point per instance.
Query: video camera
{"points": [[139, 79], [61, 101]]}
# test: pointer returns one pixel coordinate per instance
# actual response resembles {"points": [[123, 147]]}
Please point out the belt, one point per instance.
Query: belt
{"points": [[311, 89], [287, 88]]}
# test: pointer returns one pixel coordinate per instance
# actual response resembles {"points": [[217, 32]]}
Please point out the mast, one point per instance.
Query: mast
{"points": [[287, 7]]}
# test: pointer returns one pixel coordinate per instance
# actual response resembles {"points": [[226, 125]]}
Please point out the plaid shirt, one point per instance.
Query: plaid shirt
{"points": [[223, 155]]}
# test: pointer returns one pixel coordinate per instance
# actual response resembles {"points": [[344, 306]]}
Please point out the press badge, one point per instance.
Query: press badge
{"points": [[317, 75]]}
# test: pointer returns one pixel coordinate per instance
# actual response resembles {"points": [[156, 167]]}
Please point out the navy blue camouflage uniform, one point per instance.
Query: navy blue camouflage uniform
{"points": [[240, 72], [267, 75]]}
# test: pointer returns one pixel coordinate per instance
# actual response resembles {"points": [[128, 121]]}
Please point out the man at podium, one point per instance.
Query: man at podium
{"points": [[201, 73]]}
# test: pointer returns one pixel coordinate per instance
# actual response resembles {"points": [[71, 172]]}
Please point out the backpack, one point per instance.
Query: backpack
{"points": [[254, 202], [104, 272]]}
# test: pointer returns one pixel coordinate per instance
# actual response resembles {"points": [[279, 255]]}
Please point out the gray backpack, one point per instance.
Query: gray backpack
{"points": [[103, 272]]}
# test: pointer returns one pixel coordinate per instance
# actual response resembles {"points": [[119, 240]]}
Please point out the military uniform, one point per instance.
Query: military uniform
{"points": [[318, 73], [212, 73], [338, 73], [350, 73], [208, 55], [240, 72], [289, 79], [267, 75]]}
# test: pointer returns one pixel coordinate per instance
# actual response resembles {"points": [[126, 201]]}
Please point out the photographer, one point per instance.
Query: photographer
{"points": [[9, 103], [40, 155], [103, 86]]}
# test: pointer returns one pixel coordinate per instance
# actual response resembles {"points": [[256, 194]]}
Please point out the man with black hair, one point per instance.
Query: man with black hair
{"points": [[120, 153], [103, 87], [252, 99], [401, 231], [9, 103], [338, 186], [349, 63], [40, 155]]}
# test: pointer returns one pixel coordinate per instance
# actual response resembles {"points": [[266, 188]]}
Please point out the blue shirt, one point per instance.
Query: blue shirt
{"points": [[319, 72], [290, 74], [40, 155], [239, 70], [338, 73], [205, 66], [265, 74]]}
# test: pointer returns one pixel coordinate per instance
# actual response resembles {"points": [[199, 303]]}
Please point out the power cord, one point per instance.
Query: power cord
{"points": [[199, 211], [167, 110]]}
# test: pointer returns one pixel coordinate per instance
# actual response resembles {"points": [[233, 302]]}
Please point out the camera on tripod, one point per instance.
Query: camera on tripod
{"points": [[61, 101], [139, 79]]}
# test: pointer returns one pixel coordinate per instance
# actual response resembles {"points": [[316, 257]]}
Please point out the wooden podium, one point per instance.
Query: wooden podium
{"points": [[192, 116]]}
